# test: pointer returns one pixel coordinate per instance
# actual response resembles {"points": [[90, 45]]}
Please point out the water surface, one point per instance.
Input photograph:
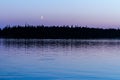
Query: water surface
{"points": [[60, 59]]}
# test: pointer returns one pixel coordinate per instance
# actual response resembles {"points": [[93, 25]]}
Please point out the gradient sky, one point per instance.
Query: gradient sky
{"points": [[93, 13]]}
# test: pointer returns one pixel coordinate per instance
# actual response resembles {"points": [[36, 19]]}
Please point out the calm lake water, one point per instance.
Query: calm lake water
{"points": [[48, 59]]}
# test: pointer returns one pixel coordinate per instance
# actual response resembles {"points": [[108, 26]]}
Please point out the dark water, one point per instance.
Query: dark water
{"points": [[36, 59]]}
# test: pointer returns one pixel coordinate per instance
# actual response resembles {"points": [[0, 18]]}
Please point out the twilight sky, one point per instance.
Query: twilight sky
{"points": [[93, 13]]}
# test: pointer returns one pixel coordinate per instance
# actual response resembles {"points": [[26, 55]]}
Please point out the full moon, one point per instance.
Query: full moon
{"points": [[41, 17]]}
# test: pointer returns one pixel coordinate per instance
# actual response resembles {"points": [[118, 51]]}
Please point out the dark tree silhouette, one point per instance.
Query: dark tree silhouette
{"points": [[58, 32]]}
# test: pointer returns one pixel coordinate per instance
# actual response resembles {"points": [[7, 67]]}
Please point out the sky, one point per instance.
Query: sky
{"points": [[91, 13]]}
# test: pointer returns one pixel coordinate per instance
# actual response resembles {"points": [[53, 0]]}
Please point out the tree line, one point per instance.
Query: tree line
{"points": [[58, 32]]}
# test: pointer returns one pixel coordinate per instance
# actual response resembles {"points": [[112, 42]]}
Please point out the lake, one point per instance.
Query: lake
{"points": [[59, 59]]}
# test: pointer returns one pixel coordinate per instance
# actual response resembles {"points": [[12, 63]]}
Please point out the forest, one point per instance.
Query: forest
{"points": [[58, 32]]}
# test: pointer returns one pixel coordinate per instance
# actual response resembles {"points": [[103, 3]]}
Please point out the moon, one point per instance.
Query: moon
{"points": [[41, 17]]}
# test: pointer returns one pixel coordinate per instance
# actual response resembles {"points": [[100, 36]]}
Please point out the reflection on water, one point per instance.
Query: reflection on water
{"points": [[28, 43], [60, 59]]}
